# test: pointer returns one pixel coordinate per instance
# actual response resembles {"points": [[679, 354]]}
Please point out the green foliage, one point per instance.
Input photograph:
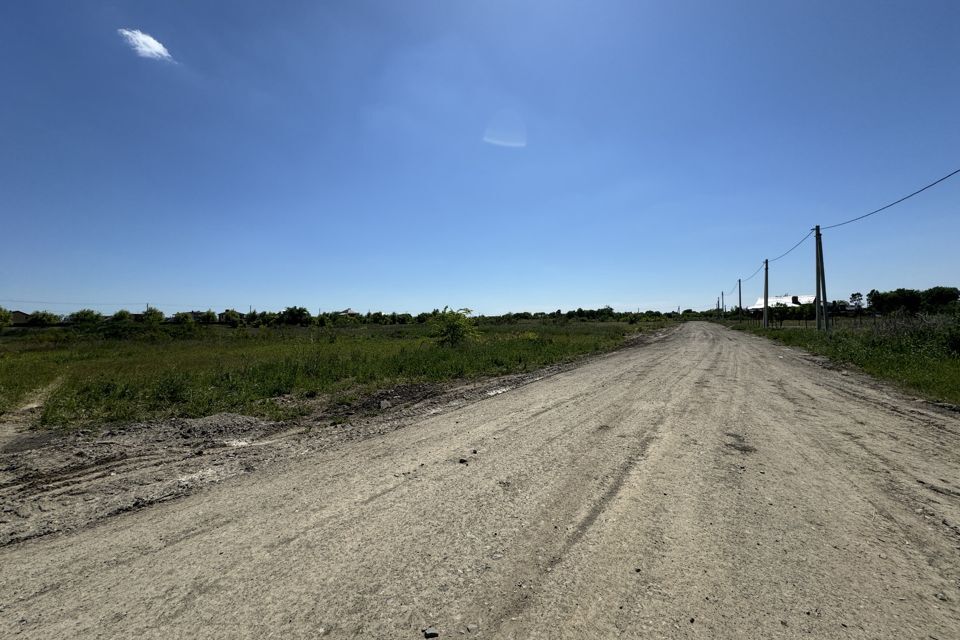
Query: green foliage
{"points": [[295, 316], [452, 327], [911, 301], [207, 317], [261, 319], [43, 319], [6, 317], [939, 299], [232, 318], [121, 316], [152, 316], [85, 318], [184, 318]]}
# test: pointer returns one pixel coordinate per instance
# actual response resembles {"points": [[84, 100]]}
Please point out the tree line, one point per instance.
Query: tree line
{"points": [[936, 300], [297, 316]]}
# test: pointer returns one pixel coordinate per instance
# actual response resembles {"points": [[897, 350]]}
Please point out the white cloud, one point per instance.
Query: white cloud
{"points": [[506, 129], [145, 45]]}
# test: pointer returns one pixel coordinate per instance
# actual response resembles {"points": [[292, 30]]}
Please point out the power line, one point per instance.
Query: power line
{"points": [[788, 251], [840, 224], [759, 269], [936, 182]]}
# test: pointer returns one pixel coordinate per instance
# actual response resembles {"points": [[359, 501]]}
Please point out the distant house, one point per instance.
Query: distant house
{"points": [[19, 318], [347, 312], [786, 301]]}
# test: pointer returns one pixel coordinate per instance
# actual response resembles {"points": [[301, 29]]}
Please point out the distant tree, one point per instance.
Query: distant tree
{"points": [[779, 312], [183, 317], [939, 299], [43, 319], [85, 317], [208, 317], [856, 301], [452, 327], [266, 318], [152, 315], [295, 316], [911, 301], [232, 317], [907, 300], [121, 316], [898, 300], [6, 317]]}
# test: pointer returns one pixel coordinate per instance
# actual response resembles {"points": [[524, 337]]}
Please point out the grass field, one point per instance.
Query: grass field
{"points": [[96, 381], [920, 354]]}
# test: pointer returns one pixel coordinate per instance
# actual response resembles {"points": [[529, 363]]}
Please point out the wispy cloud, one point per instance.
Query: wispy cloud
{"points": [[500, 142], [506, 129], [145, 45]]}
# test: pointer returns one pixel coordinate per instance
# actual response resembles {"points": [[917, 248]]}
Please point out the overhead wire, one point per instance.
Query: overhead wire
{"points": [[840, 224], [896, 202], [752, 275], [788, 251]]}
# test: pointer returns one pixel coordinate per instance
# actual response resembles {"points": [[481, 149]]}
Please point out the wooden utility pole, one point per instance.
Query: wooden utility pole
{"points": [[766, 292], [825, 313], [739, 301], [817, 298], [723, 303]]}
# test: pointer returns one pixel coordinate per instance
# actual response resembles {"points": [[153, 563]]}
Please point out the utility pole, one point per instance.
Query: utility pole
{"points": [[723, 303], [823, 283], [718, 307], [818, 298], [739, 301], [766, 291]]}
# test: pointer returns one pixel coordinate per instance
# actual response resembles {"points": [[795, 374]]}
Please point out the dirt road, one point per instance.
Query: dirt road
{"points": [[707, 485]]}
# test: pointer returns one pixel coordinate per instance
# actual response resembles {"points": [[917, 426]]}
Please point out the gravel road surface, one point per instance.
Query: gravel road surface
{"points": [[709, 484]]}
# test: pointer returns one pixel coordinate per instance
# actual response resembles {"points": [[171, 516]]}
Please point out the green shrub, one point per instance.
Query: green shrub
{"points": [[85, 318], [43, 319], [452, 327]]}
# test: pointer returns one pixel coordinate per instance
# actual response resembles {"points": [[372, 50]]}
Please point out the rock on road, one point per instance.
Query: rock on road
{"points": [[709, 484]]}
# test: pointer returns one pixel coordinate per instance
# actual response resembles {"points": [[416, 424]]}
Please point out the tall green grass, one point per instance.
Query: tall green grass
{"points": [[921, 354], [115, 380]]}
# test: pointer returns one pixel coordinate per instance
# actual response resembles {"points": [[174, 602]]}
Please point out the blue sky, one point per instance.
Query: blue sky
{"points": [[494, 155]]}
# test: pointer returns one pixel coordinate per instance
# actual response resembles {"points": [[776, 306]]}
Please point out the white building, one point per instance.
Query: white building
{"points": [[786, 301]]}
